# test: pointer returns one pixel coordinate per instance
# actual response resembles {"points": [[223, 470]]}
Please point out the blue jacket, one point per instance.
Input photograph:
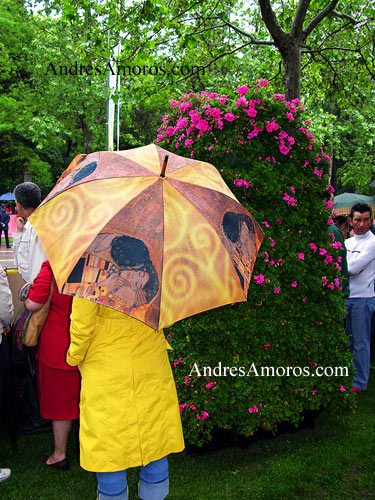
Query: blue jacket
{"points": [[4, 217]]}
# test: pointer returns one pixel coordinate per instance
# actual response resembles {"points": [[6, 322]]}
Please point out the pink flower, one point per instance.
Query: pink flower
{"points": [[161, 137], [203, 416], [242, 90], [203, 125], [229, 117], [290, 116], [182, 122], [241, 102], [184, 106], [254, 409], [328, 259], [284, 149], [289, 199], [277, 290], [189, 142], [266, 346], [271, 126], [294, 284], [251, 112], [222, 100], [259, 279], [301, 256], [265, 223], [342, 389], [313, 247], [279, 97], [263, 82], [322, 251], [304, 299]]}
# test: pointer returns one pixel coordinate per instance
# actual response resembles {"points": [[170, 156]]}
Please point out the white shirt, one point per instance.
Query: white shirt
{"points": [[361, 264], [28, 252], [6, 302]]}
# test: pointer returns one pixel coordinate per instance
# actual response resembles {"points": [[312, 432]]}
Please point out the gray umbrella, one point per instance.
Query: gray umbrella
{"points": [[346, 200]]}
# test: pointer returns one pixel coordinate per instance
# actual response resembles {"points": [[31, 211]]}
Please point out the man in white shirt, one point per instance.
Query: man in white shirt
{"points": [[29, 257], [28, 251], [361, 302]]}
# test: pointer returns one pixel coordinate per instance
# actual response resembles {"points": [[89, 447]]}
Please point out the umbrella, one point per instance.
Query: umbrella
{"points": [[7, 197], [346, 200], [157, 245]]}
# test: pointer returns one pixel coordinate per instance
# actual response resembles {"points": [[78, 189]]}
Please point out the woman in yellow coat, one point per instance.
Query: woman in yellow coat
{"points": [[129, 408]]}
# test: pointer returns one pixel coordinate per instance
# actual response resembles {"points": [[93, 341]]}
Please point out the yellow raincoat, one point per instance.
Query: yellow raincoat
{"points": [[129, 414]]}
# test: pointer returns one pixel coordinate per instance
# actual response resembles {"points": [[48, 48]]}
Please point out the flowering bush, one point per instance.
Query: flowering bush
{"points": [[294, 313]]}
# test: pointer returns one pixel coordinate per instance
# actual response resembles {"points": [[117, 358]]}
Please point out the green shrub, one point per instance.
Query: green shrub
{"points": [[294, 313]]}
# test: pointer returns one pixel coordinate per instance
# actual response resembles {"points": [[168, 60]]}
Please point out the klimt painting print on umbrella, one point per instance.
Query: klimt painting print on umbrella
{"points": [[159, 247]]}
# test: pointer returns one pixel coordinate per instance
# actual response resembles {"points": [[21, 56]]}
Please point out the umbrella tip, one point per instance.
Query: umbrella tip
{"points": [[164, 167]]}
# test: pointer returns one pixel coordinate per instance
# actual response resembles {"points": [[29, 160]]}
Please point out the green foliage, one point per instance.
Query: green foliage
{"points": [[294, 313]]}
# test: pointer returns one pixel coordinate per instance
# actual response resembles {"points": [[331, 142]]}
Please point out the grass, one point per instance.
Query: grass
{"points": [[333, 461]]}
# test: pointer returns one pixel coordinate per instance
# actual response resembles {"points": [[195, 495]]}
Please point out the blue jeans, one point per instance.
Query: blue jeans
{"points": [[153, 482], [358, 328]]}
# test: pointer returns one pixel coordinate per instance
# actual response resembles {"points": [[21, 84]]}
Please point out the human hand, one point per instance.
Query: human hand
{"points": [[113, 282], [20, 223], [6, 330]]}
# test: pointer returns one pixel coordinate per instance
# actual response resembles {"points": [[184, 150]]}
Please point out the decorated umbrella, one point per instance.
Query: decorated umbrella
{"points": [[150, 233]]}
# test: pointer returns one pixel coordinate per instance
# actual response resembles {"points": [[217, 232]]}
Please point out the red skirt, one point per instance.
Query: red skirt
{"points": [[58, 392]]}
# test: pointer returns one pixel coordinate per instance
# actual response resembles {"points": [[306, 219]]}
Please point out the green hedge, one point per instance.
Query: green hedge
{"points": [[294, 313]]}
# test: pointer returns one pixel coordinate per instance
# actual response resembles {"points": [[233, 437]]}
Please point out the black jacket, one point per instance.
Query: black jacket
{"points": [[4, 217]]}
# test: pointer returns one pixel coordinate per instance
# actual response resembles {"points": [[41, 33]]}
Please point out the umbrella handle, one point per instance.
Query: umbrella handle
{"points": [[164, 167]]}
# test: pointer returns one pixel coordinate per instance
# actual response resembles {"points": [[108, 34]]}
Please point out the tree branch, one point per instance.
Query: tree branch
{"points": [[299, 18], [341, 15], [248, 35], [319, 17], [278, 73], [271, 21], [365, 63], [318, 51]]}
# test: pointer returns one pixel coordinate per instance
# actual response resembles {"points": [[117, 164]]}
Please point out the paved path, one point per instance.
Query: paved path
{"points": [[6, 257]]}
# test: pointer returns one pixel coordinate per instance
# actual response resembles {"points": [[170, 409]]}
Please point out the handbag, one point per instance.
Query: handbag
{"points": [[28, 325], [37, 320]]}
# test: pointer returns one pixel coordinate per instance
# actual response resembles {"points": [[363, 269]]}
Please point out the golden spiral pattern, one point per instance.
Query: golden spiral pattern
{"points": [[205, 241], [182, 278]]}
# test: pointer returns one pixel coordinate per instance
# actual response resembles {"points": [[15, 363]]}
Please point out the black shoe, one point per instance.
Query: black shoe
{"points": [[62, 465]]}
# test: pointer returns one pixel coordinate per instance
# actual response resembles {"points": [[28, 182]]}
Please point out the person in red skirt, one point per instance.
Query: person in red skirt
{"points": [[58, 382]]}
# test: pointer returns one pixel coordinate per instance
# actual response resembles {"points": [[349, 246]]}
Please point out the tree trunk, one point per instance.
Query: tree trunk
{"points": [[291, 55]]}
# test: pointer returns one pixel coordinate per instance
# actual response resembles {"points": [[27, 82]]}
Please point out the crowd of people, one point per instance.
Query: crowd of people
{"points": [[91, 359]]}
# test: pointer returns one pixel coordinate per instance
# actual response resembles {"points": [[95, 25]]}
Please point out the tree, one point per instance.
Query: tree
{"points": [[17, 100], [298, 30]]}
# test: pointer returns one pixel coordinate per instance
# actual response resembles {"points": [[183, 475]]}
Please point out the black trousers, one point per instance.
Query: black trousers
{"points": [[5, 229]]}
